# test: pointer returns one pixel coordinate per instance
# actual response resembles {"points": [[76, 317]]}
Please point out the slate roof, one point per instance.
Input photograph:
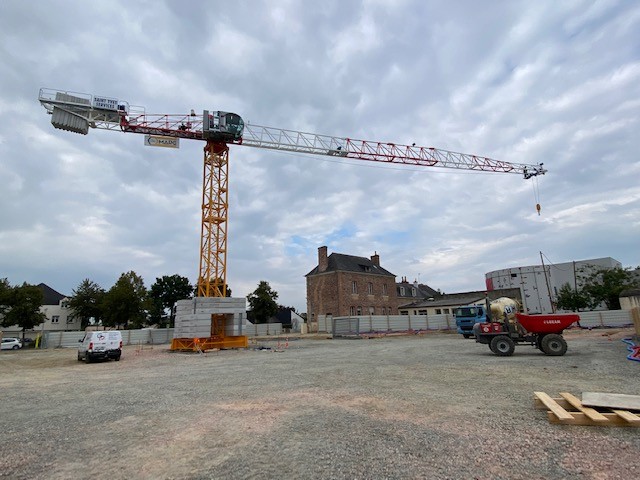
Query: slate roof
{"points": [[338, 262], [50, 296], [422, 291], [447, 300]]}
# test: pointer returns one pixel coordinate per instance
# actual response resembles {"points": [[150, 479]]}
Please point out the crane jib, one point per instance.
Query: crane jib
{"points": [[78, 112]]}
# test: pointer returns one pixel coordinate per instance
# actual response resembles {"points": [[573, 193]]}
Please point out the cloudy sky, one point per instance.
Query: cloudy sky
{"points": [[519, 81]]}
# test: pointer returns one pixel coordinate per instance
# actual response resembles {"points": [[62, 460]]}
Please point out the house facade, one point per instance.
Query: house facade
{"points": [[414, 292], [446, 304], [343, 285], [58, 315]]}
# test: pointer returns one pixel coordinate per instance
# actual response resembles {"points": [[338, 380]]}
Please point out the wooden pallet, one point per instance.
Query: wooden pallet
{"points": [[569, 410]]}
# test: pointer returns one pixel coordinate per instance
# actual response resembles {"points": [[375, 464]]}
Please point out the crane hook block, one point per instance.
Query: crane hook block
{"points": [[538, 208]]}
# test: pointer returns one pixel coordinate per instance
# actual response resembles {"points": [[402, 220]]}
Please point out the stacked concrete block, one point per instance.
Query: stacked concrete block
{"points": [[193, 316]]}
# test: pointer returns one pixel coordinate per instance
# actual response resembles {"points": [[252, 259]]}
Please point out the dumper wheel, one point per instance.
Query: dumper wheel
{"points": [[539, 339], [554, 344], [502, 346]]}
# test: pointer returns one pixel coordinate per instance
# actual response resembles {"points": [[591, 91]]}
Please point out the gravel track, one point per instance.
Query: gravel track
{"points": [[433, 407]]}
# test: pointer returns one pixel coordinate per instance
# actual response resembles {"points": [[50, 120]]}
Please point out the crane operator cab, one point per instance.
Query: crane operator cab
{"points": [[221, 126]]}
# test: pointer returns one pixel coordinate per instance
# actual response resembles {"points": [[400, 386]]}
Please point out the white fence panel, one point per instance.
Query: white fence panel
{"points": [[161, 336], [606, 318], [367, 323], [325, 323], [346, 326], [441, 322], [129, 337], [62, 339], [396, 323], [417, 322], [261, 329], [377, 323]]}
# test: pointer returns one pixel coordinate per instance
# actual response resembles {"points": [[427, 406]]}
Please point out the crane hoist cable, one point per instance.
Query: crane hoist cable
{"points": [[536, 194]]}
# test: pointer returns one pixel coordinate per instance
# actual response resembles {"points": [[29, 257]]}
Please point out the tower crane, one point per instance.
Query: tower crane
{"points": [[78, 112]]}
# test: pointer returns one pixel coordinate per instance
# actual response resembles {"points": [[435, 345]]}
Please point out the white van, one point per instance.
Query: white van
{"points": [[100, 345]]}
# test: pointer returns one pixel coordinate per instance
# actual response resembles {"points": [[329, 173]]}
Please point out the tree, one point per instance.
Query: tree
{"points": [[606, 284], [263, 302], [22, 306], [571, 299], [126, 303], [164, 294], [86, 302], [5, 289]]}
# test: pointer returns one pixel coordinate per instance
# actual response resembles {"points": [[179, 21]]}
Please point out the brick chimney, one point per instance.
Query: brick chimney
{"points": [[323, 261], [375, 259]]}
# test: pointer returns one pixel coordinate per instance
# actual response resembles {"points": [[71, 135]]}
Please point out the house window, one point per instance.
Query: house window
{"points": [[55, 318], [446, 310], [438, 311], [422, 312], [352, 311], [370, 288], [70, 319], [384, 289], [372, 310], [354, 287], [359, 311], [384, 310]]}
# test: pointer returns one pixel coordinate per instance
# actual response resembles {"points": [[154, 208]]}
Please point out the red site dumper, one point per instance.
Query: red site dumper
{"points": [[542, 331]]}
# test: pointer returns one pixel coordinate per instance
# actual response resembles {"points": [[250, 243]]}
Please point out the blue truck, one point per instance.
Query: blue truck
{"points": [[468, 316]]}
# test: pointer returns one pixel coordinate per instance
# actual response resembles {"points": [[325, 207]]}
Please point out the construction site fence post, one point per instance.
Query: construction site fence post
{"points": [[635, 315]]}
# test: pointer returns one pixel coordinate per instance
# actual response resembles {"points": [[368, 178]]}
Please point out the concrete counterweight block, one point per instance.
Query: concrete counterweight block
{"points": [[193, 316]]}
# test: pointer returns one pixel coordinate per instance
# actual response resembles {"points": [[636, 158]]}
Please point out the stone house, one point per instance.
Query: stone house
{"points": [[343, 285]]}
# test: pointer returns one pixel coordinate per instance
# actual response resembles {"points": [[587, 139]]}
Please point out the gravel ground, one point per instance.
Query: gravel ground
{"points": [[433, 407]]}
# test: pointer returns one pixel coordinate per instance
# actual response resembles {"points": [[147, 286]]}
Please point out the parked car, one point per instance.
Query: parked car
{"points": [[100, 346], [11, 343]]}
